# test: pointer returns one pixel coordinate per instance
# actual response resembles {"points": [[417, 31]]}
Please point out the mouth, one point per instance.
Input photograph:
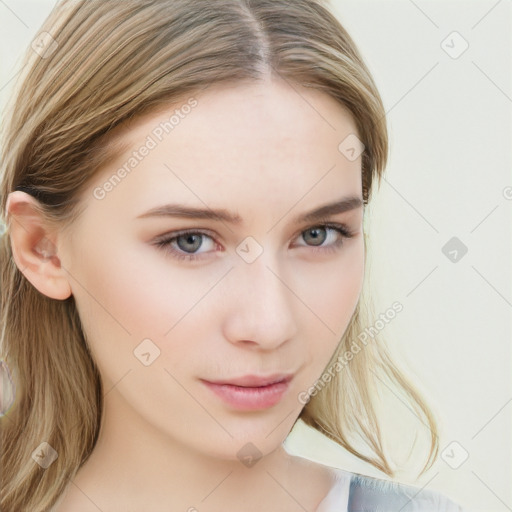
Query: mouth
{"points": [[251, 392]]}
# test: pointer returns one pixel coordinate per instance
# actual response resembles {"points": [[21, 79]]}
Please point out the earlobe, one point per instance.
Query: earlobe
{"points": [[34, 247]]}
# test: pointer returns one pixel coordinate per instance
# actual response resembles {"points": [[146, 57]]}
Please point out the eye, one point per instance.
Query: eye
{"points": [[334, 234], [186, 245]]}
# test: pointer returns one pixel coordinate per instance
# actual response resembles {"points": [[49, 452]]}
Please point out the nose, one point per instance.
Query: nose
{"points": [[260, 308]]}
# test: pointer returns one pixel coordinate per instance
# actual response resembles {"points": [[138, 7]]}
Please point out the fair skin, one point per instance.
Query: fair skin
{"points": [[268, 154]]}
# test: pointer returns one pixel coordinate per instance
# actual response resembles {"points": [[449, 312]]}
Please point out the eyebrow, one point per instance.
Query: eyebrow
{"points": [[345, 204]]}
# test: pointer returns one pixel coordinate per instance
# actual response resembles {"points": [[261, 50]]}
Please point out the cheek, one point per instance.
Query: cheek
{"points": [[331, 290], [139, 289], [338, 291], [133, 293]]}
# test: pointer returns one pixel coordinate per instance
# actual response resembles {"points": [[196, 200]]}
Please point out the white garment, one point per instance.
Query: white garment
{"points": [[336, 499]]}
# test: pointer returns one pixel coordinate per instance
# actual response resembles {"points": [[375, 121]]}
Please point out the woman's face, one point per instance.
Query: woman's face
{"points": [[261, 287]]}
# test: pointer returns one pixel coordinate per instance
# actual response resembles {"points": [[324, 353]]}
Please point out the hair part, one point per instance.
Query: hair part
{"points": [[112, 62]]}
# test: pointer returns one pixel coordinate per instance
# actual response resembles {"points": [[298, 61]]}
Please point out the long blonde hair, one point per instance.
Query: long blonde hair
{"points": [[101, 63]]}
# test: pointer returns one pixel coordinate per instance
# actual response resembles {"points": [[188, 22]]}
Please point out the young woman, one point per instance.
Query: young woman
{"points": [[184, 185]]}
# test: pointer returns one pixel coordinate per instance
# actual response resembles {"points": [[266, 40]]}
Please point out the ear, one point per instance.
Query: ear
{"points": [[34, 247]]}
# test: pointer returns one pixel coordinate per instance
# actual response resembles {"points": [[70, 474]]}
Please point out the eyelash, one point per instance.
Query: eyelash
{"points": [[164, 241]]}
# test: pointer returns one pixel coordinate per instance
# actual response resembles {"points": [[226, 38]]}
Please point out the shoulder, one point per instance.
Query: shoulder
{"points": [[375, 494]]}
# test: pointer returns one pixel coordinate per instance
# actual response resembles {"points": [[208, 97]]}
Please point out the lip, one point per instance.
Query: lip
{"points": [[253, 381], [251, 392]]}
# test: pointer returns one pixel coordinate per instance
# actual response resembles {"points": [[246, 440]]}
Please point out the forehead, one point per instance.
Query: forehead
{"points": [[248, 143]]}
